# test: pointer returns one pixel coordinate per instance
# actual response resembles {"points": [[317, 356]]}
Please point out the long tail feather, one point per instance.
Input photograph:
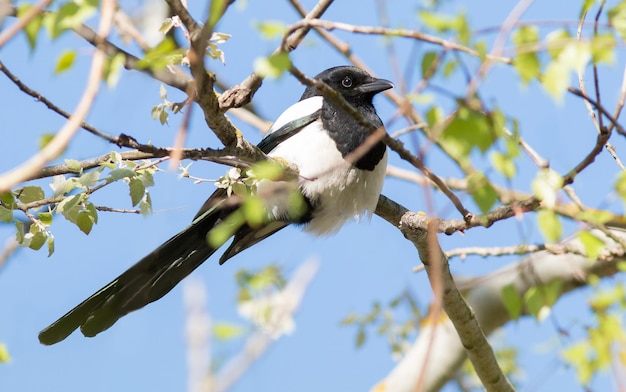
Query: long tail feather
{"points": [[147, 281]]}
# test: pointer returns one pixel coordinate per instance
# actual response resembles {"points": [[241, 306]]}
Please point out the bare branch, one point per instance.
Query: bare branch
{"points": [[512, 250], [62, 138], [35, 94], [10, 246], [35, 10], [483, 295], [470, 333], [120, 210], [377, 30], [242, 93]]}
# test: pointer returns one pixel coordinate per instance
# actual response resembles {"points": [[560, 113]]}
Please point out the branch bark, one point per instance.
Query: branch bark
{"points": [[457, 309], [483, 294]]}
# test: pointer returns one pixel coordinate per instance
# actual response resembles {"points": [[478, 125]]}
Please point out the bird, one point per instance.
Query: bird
{"points": [[316, 136]]}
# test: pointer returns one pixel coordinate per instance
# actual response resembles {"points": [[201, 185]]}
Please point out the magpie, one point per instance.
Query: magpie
{"points": [[316, 136]]}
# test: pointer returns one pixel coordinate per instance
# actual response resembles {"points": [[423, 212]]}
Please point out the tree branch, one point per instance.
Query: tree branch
{"points": [[65, 134], [484, 296], [472, 337]]}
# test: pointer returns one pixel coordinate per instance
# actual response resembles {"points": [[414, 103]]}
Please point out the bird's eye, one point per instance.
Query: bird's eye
{"points": [[346, 82]]}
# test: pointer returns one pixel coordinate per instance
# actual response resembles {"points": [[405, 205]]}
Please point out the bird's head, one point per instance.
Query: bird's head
{"points": [[353, 83]]}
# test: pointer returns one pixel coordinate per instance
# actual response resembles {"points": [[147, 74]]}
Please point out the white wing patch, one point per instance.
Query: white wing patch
{"points": [[297, 110]]}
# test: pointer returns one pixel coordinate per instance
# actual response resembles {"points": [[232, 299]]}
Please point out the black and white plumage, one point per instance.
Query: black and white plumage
{"points": [[314, 135]]}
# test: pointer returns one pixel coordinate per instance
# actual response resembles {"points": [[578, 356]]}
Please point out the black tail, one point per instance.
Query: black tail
{"points": [[147, 281]]}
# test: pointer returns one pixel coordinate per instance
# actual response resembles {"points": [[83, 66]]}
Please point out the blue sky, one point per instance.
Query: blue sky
{"points": [[363, 263]]}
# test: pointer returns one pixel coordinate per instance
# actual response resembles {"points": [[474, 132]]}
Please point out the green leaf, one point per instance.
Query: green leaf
{"points": [[577, 356], [468, 130], [428, 64], [512, 301], [45, 139], [89, 179], [65, 61], [113, 69], [434, 116], [550, 225], [442, 23], [7, 199], [223, 231], [159, 112], [227, 331], [19, 232], [482, 191], [271, 29], [605, 299], [620, 186], [617, 18], [534, 301], [61, 185], [70, 16], [527, 62], [254, 210], [268, 170], [45, 218], [349, 319], [31, 30], [38, 240], [587, 4], [216, 10], [449, 67], [4, 354], [603, 48], [146, 177], [360, 337], [137, 190], [84, 221], [145, 207], [118, 174], [6, 215], [551, 292], [546, 185], [50, 244], [556, 41], [272, 66], [69, 203], [91, 208], [504, 164], [481, 48], [166, 25], [598, 217], [593, 245], [164, 54], [556, 80], [30, 193], [73, 165]]}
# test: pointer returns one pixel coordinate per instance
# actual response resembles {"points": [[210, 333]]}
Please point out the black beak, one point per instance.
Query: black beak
{"points": [[375, 86]]}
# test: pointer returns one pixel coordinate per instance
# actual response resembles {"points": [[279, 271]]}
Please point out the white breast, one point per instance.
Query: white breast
{"points": [[342, 191]]}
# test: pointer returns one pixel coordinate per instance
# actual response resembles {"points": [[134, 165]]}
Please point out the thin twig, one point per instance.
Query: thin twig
{"points": [[581, 78], [513, 250], [32, 12], [508, 24], [242, 93], [62, 138], [35, 94], [10, 246], [377, 30], [120, 210]]}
